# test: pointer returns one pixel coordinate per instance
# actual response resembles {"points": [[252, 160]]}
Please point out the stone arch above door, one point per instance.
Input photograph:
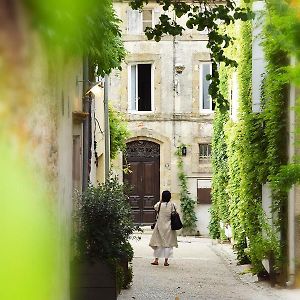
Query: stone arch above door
{"points": [[154, 136], [142, 149]]}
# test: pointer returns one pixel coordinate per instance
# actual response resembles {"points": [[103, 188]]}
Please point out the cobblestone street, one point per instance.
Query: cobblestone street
{"points": [[200, 269]]}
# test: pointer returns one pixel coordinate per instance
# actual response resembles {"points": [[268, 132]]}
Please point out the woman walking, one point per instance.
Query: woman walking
{"points": [[163, 238]]}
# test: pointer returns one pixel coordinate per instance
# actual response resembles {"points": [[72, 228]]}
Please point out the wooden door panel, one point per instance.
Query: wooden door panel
{"points": [[143, 158], [149, 202], [148, 217], [149, 178], [133, 178], [135, 201], [151, 190]]}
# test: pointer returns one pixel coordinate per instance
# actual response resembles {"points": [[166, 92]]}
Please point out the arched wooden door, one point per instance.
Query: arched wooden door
{"points": [[143, 158]]}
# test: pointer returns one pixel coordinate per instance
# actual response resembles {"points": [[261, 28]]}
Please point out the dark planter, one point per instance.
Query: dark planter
{"points": [[93, 281]]}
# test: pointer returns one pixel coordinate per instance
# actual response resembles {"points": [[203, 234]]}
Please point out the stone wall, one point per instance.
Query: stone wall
{"points": [[176, 116]]}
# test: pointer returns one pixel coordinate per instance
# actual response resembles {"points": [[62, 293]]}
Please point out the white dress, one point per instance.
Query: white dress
{"points": [[163, 238]]}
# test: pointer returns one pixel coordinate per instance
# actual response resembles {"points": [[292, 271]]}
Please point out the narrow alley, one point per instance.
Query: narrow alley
{"points": [[200, 269]]}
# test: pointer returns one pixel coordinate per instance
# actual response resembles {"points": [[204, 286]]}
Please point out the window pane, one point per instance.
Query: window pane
{"points": [[146, 24], [133, 88], [144, 87], [209, 150], [147, 19], [147, 15], [205, 84], [204, 151]]}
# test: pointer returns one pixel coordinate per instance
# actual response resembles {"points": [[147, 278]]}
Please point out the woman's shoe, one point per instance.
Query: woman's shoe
{"points": [[154, 263], [166, 264]]}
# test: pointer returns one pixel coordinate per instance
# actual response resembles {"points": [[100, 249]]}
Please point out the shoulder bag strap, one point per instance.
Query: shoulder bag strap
{"points": [[174, 207], [158, 210]]}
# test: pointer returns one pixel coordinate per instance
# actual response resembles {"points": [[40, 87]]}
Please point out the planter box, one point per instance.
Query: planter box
{"points": [[93, 281]]}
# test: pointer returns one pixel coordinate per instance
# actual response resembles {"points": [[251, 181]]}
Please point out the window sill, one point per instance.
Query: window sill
{"points": [[207, 112], [140, 112]]}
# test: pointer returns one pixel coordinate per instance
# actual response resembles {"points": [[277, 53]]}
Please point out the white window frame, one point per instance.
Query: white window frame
{"points": [[204, 158], [136, 111], [202, 109]]}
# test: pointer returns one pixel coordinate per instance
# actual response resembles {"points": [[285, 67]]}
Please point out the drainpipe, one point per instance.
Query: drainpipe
{"points": [[291, 195], [106, 129], [86, 132], [174, 89]]}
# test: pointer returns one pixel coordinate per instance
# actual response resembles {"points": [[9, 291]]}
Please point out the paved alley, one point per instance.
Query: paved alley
{"points": [[199, 270]]}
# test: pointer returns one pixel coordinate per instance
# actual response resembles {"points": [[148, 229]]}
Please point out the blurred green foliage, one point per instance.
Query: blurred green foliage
{"points": [[29, 265], [89, 28]]}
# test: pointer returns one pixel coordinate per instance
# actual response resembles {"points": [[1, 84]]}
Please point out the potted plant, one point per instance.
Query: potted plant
{"points": [[102, 249]]}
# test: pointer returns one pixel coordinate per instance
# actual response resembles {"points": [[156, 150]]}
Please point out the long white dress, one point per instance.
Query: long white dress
{"points": [[163, 238]]}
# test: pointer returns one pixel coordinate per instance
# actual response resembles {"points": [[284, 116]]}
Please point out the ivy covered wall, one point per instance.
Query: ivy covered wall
{"points": [[252, 150]]}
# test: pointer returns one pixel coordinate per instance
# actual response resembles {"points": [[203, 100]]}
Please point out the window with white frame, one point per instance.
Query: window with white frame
{"points": [[140, 87], [147, 18], [206, 103], [204, 152]]}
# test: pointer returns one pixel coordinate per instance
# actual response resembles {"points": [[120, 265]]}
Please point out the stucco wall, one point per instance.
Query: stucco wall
{"points": [[56, 94]]}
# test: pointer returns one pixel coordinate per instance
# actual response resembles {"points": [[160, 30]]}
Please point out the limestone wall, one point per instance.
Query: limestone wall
{"points": [[176, 116]]}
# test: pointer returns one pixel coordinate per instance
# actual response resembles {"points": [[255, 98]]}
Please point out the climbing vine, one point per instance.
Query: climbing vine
{"points": [[187, 204], [248, 148], [282, 24], [219, 209], [119, 132]]}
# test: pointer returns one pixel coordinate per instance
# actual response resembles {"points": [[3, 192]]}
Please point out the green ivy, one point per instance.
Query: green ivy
{"points": [[233, 135], [119, 132], [287, 176], [219, 209], [187, 204], [246, 164]]}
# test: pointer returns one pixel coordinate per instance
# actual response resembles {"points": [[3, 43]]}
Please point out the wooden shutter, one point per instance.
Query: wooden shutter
{"points": [[156, 15], [203, 196], [134, 21]]}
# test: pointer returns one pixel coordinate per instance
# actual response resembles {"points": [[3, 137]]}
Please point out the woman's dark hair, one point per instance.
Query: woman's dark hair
{"points": [[165, 196]]}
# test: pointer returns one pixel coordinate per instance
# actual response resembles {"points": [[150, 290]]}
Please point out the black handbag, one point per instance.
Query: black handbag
{"points": [[176, 223], [153, 225]]}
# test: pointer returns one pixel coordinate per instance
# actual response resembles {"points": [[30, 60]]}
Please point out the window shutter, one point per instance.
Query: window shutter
{"points": [[156, 15], [203, 196], [134, 21], [203, 191]]}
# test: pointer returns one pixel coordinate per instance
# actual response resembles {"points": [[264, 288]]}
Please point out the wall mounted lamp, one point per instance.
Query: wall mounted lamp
{"points": [[183, 150], [93, 86], [179, 68]]}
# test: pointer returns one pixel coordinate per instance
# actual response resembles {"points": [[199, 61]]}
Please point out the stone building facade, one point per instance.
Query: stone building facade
{"points": [[163, 92]]}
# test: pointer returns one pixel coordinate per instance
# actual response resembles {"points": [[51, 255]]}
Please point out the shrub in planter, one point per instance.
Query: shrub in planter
{"points": [[104, 224]]}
